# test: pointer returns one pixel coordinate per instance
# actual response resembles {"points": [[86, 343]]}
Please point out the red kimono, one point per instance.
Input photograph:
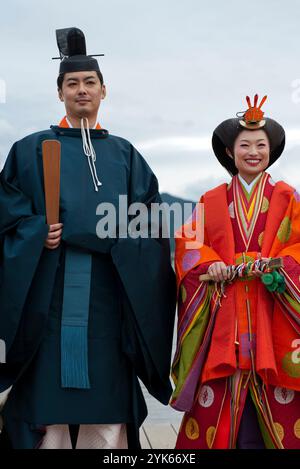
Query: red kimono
{"points": [[247, 340]]}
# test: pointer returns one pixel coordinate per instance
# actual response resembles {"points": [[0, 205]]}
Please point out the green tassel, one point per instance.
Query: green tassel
{"points": [[281, 288], [274, 281], [272, 287], [267, 279]]}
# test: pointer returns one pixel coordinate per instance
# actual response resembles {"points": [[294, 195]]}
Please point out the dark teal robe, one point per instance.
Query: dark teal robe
{"points": [[132, 295]]}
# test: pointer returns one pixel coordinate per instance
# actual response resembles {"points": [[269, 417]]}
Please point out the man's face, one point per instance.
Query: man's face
{"points": [[82, 93]]}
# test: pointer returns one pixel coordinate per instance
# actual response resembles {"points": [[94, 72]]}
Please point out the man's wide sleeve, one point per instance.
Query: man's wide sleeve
{"points": [[149, 291], [22, 237]]}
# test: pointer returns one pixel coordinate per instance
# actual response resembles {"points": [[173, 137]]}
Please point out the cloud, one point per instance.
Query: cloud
{"points": [[6, 128], [173, 71], [180, 143], [187, 166]]}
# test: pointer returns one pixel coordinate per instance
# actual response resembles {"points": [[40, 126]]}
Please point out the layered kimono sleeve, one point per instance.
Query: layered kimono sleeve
{"points": [[285, 320], [197, 306], [287, 245]]}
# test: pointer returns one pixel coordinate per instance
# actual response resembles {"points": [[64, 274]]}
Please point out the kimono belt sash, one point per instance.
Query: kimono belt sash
{"points": [[75, 314]]}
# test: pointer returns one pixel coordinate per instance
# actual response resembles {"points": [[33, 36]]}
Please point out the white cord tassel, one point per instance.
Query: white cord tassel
{"points": [[89, 151]]}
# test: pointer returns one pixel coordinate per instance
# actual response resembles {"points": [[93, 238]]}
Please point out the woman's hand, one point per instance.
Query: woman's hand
{"points": [[54, 236], [218, 271], [259, 274]]}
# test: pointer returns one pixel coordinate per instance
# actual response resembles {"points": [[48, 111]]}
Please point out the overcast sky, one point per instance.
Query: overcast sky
{"points": [[173, 70]]}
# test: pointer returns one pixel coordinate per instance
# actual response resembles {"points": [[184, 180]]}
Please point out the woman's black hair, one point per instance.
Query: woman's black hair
{"points": [[226, 133]]}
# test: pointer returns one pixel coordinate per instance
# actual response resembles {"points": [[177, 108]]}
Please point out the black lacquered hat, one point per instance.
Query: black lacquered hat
{"points": [[72, 49]]}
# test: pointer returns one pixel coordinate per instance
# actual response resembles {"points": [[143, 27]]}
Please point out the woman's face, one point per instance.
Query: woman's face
{"points": [[251, 153]]}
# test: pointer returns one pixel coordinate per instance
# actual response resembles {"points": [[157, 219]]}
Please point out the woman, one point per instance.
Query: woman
{"points": [[237, 364]]}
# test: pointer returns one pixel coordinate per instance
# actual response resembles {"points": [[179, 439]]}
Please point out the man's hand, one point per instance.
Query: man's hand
{"points": [[218, 271], [54, 236]]}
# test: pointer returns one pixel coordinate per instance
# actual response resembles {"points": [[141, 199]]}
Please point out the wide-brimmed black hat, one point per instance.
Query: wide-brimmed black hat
{"points": [[226, 133]]}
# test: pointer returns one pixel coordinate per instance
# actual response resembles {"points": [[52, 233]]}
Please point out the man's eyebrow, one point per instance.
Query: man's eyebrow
{"points": [[77, 79]]}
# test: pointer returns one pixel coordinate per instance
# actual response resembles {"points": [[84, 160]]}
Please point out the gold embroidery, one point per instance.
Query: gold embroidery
{"points": [[192, 429], [297, 428], [289, 367], [279, 429], [183, 293], [265, 205], [285, 230], [210, 433], [260, 238]]}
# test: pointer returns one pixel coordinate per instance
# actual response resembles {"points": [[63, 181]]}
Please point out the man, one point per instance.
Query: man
{"points": [[82, 316]]}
